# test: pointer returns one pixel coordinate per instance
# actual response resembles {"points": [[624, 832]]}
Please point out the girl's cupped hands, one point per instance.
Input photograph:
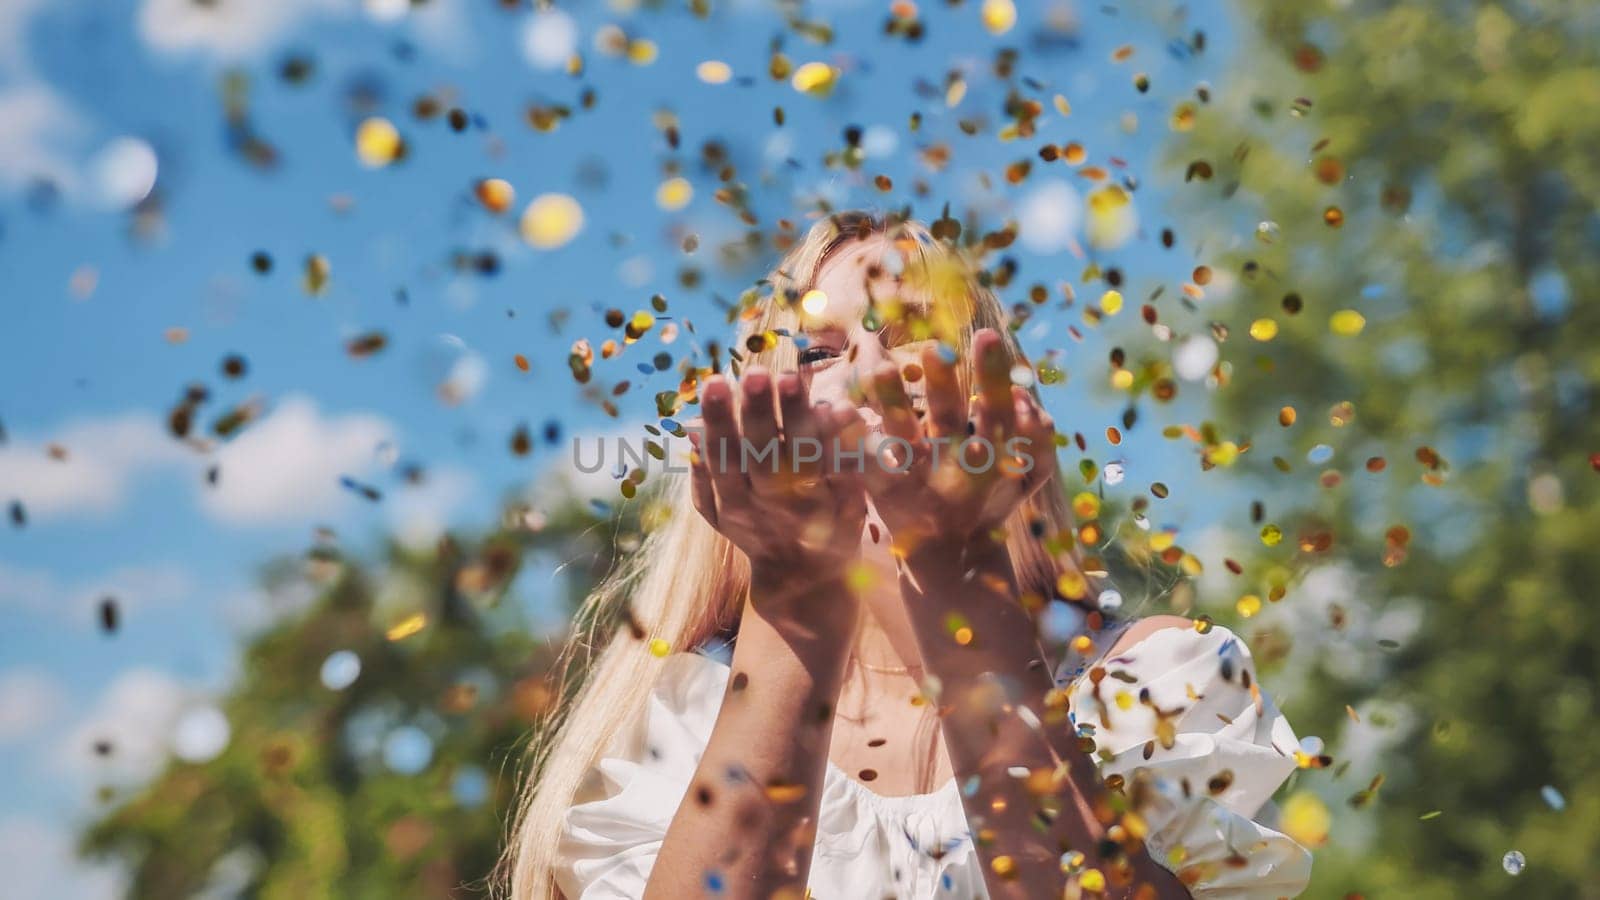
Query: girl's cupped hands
{"points": [[964, 465], [764, 473]]}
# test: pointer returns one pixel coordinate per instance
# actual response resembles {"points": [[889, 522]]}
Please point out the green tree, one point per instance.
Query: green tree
{"points": [[303, 802], [1413, 187]]}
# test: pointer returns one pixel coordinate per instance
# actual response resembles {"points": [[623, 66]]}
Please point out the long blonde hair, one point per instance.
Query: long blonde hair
{"points": [[686, 583]]}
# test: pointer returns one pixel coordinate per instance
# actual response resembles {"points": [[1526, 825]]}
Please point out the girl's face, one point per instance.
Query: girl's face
{"points": [[841, 353]]}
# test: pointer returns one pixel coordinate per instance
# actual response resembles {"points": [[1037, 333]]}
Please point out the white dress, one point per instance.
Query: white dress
{"points": [[918, 847]]}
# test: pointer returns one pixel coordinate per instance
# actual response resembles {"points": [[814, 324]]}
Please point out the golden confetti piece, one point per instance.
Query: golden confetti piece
{"points": [[1072, 585], [1248, 605], [1347, 323], [1333, 216], [1286, 416], [315, 279], [1122, 379], [1111, 302], [551, 220], [999, 16], [1111, 220], [714, 71], [1092, 880], [815, 302], [496, 195], [378, 142], [815, 78], [1305, 818], [1004, 866], [659, 647], [406, 627], [1264, 329], [780, 792], [1271, 535], [1223, 454], [1062, 106], [674, 194], [642, 52], [1085, 505], [1351, 712], [1183, 117]]}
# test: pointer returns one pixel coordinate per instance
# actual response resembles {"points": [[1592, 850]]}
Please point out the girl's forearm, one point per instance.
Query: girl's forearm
{"points": [[749, 817], [985, 673]]}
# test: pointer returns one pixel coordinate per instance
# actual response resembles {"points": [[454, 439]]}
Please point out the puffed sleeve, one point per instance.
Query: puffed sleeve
{"points": [[619, 816], [1186, 708]]}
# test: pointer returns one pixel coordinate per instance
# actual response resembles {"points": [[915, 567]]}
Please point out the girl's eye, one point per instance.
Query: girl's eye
{"points": [[816, 354]]}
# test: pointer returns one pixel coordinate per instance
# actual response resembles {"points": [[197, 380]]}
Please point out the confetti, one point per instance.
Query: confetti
{"points": [[551, 220]]}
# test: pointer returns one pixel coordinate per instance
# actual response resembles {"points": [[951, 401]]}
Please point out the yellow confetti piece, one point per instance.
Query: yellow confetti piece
{"points": [[1224, 454], [1092, 880], [1122, 379], [377, 142], [1263, 329], [659, 647], [1112, 219], [1347, 323], [815, 78], [815, 302], [674, 194], [1124, 700], [714, 71], [1305, 818], [642, 52], [1072, 585], [999, 16], [551, 220], [1248, 605], [1085, 505], [1004, 866], [496, 195], [1271, 535], [406, 627], [1062, 106], [1111, 302]]}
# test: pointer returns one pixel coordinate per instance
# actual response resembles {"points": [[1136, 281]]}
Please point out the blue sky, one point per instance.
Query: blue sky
{"points": [[86, 365]]}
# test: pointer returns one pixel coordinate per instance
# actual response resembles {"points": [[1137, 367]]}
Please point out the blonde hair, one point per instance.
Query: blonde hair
{"points": [[686, 583]]}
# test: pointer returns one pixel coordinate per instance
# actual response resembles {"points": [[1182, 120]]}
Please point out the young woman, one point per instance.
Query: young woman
{"points": [[888, 725]]}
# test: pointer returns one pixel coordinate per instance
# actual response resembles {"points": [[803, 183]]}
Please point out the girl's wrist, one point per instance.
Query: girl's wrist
{"points": [[786, 592]]}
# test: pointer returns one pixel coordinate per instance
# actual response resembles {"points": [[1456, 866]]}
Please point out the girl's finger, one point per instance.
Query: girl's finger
{"points": [[701, 489], [890, 400], [800, 446], [844, 455], [947, 407], [994, 382], [722, 456], [758, 421]]}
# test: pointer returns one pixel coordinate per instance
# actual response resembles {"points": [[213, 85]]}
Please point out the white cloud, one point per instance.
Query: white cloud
{"points": [[420, 514], [30, 700], [232, 30], [42, 130], [1051, 215], [102, 458], [287, 467], [134, 717], [241, 29], [40, 863], [135, 588]]}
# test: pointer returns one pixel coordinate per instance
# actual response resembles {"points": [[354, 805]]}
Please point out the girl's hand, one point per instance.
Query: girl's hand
{"points": [[993, 452], [772, 485]]}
